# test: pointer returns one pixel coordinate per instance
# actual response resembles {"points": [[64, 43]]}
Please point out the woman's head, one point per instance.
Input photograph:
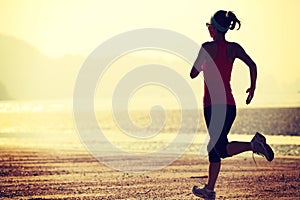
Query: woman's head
{"points": [[222, 21]]}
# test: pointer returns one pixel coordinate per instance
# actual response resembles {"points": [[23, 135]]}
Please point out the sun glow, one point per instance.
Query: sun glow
{"points": [[59, 28]]}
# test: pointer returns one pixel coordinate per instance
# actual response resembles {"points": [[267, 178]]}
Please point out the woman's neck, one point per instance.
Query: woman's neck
{"points": [[219, 38]]}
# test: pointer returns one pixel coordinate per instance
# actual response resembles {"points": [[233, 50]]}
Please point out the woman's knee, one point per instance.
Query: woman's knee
{"points": [[213, 156]]}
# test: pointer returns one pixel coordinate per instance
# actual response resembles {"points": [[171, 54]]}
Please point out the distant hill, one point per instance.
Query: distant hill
{"points": [[26, 73]]}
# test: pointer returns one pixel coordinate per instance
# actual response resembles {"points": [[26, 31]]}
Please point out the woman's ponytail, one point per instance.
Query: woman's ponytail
{"points": [[233, 20]]}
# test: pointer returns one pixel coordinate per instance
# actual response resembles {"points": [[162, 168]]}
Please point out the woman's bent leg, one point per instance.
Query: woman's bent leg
{"points": [[234, 148]]}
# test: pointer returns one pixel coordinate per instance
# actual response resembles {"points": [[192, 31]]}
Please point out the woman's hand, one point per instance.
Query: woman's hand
{"points": [[250, 92]]}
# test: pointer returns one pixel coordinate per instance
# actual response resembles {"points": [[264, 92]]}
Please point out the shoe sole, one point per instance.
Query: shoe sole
{"points": [[201, 196], [270, 152], [263, 141]]}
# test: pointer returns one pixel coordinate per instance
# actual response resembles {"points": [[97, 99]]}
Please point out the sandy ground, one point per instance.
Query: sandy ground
{"points": [[41, 174]]}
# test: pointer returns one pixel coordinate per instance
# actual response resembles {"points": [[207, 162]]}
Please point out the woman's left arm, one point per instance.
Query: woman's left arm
{"points": [[198, 63]]}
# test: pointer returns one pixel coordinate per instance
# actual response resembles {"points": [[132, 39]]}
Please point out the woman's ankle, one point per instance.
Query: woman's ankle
{"points": [[209, 188]]}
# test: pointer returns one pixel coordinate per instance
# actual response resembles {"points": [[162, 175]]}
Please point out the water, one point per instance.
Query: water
{"points": [[51, 125]]}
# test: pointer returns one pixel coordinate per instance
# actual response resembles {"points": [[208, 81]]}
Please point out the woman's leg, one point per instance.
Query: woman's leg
{"points": [[218, 144], [234, 148], [213, 172]]}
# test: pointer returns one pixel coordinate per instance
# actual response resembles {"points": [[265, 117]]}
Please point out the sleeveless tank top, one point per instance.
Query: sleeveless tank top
{"points": [[217, 75]]}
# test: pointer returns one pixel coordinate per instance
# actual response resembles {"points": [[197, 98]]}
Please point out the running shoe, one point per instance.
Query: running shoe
{"points": [[204, 193], [260, 147]]}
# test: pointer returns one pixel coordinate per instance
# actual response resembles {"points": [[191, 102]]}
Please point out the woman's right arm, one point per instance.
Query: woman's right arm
{"points": [[241, 54]]}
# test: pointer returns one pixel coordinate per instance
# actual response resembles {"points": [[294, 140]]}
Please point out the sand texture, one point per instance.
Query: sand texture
{"points": [[41, 174]]}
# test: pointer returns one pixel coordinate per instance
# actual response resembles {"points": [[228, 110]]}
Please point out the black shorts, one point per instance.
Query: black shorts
{"points": [[219, 119]]}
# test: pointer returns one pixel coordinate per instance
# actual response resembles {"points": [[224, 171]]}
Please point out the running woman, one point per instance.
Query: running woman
{"points": [[216, 59]]}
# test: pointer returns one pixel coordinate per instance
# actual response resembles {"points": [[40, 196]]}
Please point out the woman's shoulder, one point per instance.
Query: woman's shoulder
{"points": [[209, 45], [234, 45], [236, 49]]}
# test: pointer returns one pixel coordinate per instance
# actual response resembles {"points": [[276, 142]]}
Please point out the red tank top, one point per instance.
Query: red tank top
{"points": [[217, 75]]}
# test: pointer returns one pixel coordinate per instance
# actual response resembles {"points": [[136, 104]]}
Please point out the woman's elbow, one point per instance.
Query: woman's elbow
{"points": [[252, 65], [194, 73]]}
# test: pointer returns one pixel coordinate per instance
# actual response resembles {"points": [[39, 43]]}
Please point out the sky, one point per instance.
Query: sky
{"points": [[269, 34]]}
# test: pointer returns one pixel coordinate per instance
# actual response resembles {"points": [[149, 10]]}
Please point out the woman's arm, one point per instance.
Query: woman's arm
{"points": [[241, 54], [198, 63], [194, 72]]}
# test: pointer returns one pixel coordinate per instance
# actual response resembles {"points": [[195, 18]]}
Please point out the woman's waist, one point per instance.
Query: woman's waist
{"points": [[217, 88]]}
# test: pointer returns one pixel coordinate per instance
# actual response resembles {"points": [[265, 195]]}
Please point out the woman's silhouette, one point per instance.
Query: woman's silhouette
{"points": [[216, 59]]}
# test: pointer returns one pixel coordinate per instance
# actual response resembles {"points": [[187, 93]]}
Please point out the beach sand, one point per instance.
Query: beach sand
{"points": [[44, 174]]}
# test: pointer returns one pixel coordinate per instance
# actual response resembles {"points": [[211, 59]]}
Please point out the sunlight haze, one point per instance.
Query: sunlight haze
{"points": [[61, 34]]}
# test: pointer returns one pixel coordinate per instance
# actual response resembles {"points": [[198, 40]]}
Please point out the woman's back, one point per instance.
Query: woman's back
{"points": [[217, 73], [231, 49]]}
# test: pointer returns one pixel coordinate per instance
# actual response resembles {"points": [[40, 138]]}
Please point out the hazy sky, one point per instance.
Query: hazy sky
{"points": [[269, 32]]}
